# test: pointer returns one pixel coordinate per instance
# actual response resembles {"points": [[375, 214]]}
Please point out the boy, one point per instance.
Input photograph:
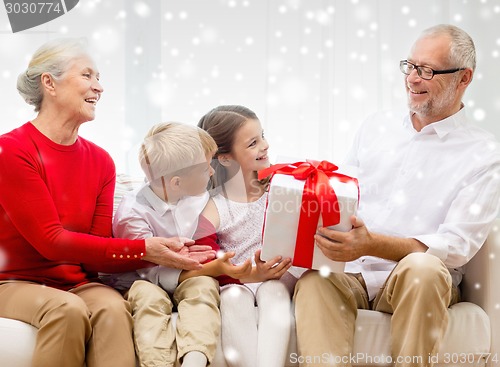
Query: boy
{"points": [[176, 161]]}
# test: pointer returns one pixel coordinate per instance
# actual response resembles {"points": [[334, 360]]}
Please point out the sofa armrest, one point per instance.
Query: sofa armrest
{"points": [[481, 285]]}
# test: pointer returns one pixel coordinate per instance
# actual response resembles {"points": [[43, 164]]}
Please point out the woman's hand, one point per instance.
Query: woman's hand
{"points": [[172, 252], [201, 253], [266, 270]]}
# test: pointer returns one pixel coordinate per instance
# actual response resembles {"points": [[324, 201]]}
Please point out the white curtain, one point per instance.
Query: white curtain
{"points": [[312, 70]]}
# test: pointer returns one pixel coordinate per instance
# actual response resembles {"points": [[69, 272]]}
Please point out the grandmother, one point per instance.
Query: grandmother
{"points": [[56, 202]]}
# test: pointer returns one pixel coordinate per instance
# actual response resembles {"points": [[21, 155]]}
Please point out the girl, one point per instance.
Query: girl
{"points": [[236, 210]]}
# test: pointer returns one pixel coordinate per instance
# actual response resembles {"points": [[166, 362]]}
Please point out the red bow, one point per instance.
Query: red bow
{"points": [[317, 190]]}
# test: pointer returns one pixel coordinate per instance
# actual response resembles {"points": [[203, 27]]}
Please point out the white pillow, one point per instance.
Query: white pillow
{"points": [[125, 183]]}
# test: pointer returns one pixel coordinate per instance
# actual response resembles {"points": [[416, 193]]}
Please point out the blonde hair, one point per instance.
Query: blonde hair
{"points": [[52, 57], [172, 146]]}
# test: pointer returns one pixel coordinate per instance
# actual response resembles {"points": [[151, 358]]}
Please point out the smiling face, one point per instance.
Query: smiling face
{"points": [[77, 92], [438, 98], [250, 147]]}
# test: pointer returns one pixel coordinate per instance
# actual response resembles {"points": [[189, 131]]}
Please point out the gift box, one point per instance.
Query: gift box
{"points": [[304, 196]]}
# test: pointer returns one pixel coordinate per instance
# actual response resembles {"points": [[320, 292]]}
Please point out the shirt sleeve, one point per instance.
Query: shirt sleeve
{"points": [[129, 223], [468, 220]]}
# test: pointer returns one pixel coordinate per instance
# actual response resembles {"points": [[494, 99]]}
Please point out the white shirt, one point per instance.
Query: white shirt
{"points": [[440, 186], [142, 214]]}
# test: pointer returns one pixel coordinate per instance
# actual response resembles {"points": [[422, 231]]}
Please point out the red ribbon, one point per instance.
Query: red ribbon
{"points": [[318, 198]]}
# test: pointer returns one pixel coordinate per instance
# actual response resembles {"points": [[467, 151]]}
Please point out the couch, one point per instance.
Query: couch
{"points": [[472, 338]]}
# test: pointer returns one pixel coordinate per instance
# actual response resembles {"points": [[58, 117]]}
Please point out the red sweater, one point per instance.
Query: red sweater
{"points": [[56, 206]]}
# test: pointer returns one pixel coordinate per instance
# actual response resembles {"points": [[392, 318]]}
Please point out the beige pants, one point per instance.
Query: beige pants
{"points": [[198, 323], [417, 294], [91, 323]]}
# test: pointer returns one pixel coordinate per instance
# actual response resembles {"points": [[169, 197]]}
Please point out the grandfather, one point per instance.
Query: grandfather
{"points": [[430, 189]]}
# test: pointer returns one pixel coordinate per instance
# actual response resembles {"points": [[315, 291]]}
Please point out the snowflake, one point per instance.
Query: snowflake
{"points": [[479, 114], [475, 209], [209, 35], [122, 14], [142, 9], [324, 271], [234, 292], [231, 355], [435, 333]]}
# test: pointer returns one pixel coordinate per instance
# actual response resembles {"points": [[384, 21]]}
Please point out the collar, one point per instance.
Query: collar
{"points": [[443, 127], [185, 212], [186, 204]]}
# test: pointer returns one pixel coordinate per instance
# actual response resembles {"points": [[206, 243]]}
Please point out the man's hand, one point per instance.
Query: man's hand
{"points": [[345, 246], [171, 252], [349, 246]]}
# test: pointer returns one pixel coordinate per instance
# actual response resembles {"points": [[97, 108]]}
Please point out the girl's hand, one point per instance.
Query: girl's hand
{"points": [[271, 269], [234, 271]]}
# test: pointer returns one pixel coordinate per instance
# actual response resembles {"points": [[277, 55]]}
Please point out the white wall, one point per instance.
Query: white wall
{"points": [[311, 69]]}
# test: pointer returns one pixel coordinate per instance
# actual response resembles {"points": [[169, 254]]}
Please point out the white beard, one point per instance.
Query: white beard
{"points": [[434, 106]]}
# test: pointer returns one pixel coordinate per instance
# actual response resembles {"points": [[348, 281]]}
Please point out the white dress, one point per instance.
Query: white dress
{"points": [[251, 340], [240, 228]]}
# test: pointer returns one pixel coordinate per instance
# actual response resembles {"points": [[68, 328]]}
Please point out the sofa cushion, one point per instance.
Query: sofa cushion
{"points": [[124, 183], [17, 343], [468, 335]]}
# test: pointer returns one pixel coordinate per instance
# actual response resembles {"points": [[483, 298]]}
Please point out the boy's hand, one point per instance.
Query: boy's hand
{"points": [[171, 252], [234, 271]]}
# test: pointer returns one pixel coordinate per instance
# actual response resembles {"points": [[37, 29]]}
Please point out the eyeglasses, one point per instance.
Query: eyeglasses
{"points": [[424, 72]]}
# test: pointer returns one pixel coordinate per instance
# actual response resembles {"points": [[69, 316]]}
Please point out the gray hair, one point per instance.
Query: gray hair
{"points": [[462, 49], [53, 58]]}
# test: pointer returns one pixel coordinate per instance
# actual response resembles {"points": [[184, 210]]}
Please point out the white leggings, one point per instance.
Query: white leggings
{"points": [[251, 340]]}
